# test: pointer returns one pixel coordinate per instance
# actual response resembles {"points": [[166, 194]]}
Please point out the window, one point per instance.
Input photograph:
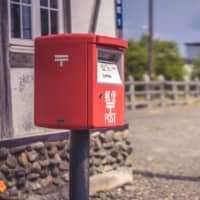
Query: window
{"points": [[21, 19], [32, 18], [49, 16]]}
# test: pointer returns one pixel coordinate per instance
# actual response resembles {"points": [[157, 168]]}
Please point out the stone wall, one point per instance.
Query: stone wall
{"points": [[41, 170]]}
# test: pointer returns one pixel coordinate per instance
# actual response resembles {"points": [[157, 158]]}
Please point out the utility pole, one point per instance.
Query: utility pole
{"points": [[150, 38]]}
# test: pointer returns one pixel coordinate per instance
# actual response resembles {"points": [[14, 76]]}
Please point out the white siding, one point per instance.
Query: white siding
{"points": [[81, 14]]}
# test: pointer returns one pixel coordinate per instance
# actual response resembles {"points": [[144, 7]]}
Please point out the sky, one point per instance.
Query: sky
{"points": [[176, 20]]}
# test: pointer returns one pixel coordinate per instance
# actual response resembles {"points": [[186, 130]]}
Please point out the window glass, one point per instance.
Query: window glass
{"points": [[44, 15], [44, 3], [54, 22], [53, 4], [49, 17], [21, 19], [26, 1], [15, 21], [44, 22], [26, 12]]}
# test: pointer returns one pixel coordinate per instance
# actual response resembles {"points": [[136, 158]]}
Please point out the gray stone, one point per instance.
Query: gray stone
{"points": [[60, 145], [53, 162], [121, 146], [128, 142], [2, 177], [128, 187], [114, 153], [100, 154], [56, 181], [44, 163], [129, 162], [11, 162], [102, 138], [129, 150], [64, 166], [21, 181], [110, 180], [44, 173], [125, 134], [13, 192], [65, 177], [20, 172], [47, 181], [36, 167], [55, 171], [117, 136], [64, 193], [43, 152], [108, 145], [18, 149], [11, 183], [35, 197], [53, 151], [64, 155], [97, 143], [4, 169], [97, 161], [109, 135], [33, 176], [34, 186], [119, 158], [49, 145], [110, 159], [57, 158], [104, 161], [3, 153], [32, 155], [107, 168], [37, 145], [23, 160]]}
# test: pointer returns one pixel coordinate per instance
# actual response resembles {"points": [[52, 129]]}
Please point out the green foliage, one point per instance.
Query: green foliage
{"points": [[167, 60], [196, 68]]}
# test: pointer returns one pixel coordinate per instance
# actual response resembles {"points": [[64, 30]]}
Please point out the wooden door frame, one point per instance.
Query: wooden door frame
{"points": [[6, 123]]}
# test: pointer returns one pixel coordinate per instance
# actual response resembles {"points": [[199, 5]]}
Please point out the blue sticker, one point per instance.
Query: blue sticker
{"points": [[119, 14]]}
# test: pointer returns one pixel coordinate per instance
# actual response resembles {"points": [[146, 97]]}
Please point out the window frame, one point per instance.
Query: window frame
{"points": [[26, 45]]}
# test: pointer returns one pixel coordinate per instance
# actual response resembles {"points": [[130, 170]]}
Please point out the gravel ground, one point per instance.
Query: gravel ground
{"points": [[166, 159]]}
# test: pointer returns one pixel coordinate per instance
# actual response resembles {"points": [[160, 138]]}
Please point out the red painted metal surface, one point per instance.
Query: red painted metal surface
{"points": [[67, 94]]}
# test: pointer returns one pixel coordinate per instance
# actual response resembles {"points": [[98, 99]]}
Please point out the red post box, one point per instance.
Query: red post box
{"points": [[79, 81]]}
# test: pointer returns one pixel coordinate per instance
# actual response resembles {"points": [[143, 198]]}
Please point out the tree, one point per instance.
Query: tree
{"points": [[196, 68], [167, 60], [136, 59]]}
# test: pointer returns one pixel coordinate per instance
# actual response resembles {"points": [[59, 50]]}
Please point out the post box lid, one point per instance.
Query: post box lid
{"points": [[111, 41], [98, 39]]}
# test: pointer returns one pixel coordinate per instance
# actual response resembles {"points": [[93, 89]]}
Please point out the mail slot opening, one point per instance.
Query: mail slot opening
{"points": [[109, 66]]}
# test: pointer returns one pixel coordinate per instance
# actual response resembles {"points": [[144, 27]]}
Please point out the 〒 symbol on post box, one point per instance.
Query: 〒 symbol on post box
{"points": [[61, 59]]}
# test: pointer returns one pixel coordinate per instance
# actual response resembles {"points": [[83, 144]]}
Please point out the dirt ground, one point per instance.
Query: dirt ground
{"points": [[166, 157]]}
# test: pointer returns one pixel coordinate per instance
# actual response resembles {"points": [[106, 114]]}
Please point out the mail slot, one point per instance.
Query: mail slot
{"points": [[79, 81]]}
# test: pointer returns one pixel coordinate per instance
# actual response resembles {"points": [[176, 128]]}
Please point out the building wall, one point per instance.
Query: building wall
{"points": [[193, 52], [82, 16], [22, 76]]}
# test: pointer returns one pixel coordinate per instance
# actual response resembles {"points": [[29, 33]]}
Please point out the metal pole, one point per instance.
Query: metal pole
{"points": [[94, 17], [67, 16], [79, 165], [150, 46]]}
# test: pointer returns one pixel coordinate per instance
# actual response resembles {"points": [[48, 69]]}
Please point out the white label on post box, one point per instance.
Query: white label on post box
{"points": [[108, 73], [109, 64]]}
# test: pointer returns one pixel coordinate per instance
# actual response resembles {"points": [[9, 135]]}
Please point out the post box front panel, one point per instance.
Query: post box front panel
{"points": [[108, 89], [61, 83]]}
